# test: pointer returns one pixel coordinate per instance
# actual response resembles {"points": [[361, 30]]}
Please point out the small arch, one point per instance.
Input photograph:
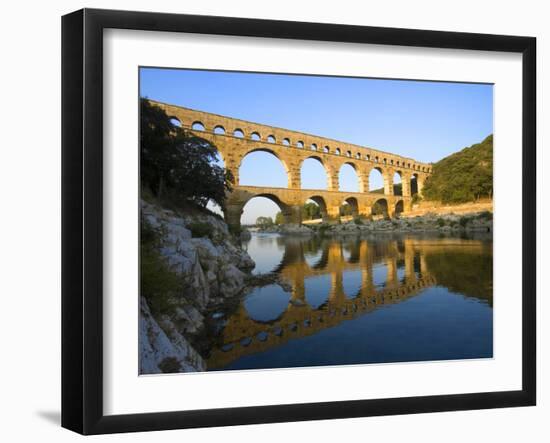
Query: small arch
{"points": [[313, 147], [337, 151], [358, 156], [255, 136], [315, 208], [399, 208], [286, 142], [367, 157], [197, 126], [271, 139], [385, 161], [376, 159], [348, 153], [174, 121], [391, 161], [219, 130], [380, 208], [299, 144], [239, 133], [353, 209], [326, 149]]}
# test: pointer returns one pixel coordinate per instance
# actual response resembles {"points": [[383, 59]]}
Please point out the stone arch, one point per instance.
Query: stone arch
{"points": [[313, 147], [326, 149], [286, 141], [255, 136], [198, 126], [414, 184], [238, 132], [175, 122], [376, 180], [304, 183], [397, 183], [380, 208], [286, 169], [337, 151], [322, 205], [354, 205], [271, 139], [399, 208], [350, 185], [219, 129], [300, 144]]}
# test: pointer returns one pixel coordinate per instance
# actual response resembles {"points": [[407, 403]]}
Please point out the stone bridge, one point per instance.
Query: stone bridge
{"points": [[235, 138]]}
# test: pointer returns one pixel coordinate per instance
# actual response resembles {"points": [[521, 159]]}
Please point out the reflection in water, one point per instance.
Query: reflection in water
{"points": [[352, 301]]}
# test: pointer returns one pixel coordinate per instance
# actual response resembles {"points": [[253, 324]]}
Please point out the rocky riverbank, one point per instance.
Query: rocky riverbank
{"points": [[446, 223], [210, 268]]}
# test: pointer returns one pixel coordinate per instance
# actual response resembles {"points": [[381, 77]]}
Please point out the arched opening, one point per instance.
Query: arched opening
{"points": [[314, 210], [271, 139], [348, 179], [175, 122], [337, 151], [286, 142], [313, 174], [313, 147], [197, 126], [380, 209], [358, 156], [376, 181], [397, 184], [414, 184], [219, 130], [399, 208], [317, 290], [348, 153], [238, 133], [253, 167], [349, 209], [266, 304], [255, 136], [326, 149], [299, 144], [351, 282]]}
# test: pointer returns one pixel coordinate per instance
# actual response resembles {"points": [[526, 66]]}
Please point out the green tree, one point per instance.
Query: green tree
{"points": [[463, 176], [311, 211], [174, 160], [279, 218], [264, 222]]}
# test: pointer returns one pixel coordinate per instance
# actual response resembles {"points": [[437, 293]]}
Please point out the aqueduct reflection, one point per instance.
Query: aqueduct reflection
{"points": [[358, 276]]}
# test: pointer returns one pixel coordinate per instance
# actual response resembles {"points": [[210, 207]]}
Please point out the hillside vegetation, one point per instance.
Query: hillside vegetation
{"points": [[464, 176]]}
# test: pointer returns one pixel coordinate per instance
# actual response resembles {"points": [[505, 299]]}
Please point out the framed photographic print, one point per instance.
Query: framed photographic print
{"points": [[269, 221]]}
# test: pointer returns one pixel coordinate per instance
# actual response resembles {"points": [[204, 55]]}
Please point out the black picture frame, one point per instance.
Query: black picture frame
{"points": [[82, 218]]}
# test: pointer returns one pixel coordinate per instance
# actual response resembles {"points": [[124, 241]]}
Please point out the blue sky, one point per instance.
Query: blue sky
{"points": [[423, 120]]}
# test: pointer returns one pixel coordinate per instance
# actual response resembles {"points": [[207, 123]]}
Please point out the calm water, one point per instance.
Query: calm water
{"points": [[359, 300]]}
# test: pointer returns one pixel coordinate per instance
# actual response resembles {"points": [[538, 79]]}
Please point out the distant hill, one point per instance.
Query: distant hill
{"points": [[464, 176]]}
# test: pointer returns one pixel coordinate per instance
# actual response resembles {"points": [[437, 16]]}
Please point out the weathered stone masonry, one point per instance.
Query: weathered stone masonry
{"points": [[236, 138]]}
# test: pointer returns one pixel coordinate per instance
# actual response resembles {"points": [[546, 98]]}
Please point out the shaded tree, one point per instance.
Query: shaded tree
{"points": [[174, 160], [264, 222]]}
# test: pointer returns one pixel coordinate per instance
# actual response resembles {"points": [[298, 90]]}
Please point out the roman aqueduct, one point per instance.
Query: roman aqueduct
{"points": [[235, 139]]}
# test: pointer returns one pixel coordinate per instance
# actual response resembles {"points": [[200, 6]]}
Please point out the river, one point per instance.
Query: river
{"points": [[356, 300]]}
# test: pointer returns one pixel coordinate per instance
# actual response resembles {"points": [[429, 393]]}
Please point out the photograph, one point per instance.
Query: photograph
{"points": [[291, 220]]}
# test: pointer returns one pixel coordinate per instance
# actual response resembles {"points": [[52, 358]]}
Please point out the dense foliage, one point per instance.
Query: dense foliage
{"points": [[176, 162], [264, 222], [463, 176], [311, 211]]}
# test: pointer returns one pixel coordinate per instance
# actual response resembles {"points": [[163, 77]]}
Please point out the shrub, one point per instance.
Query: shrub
{"points": [[485, 215], [158, 282], [464, 221], [440, 222]]}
